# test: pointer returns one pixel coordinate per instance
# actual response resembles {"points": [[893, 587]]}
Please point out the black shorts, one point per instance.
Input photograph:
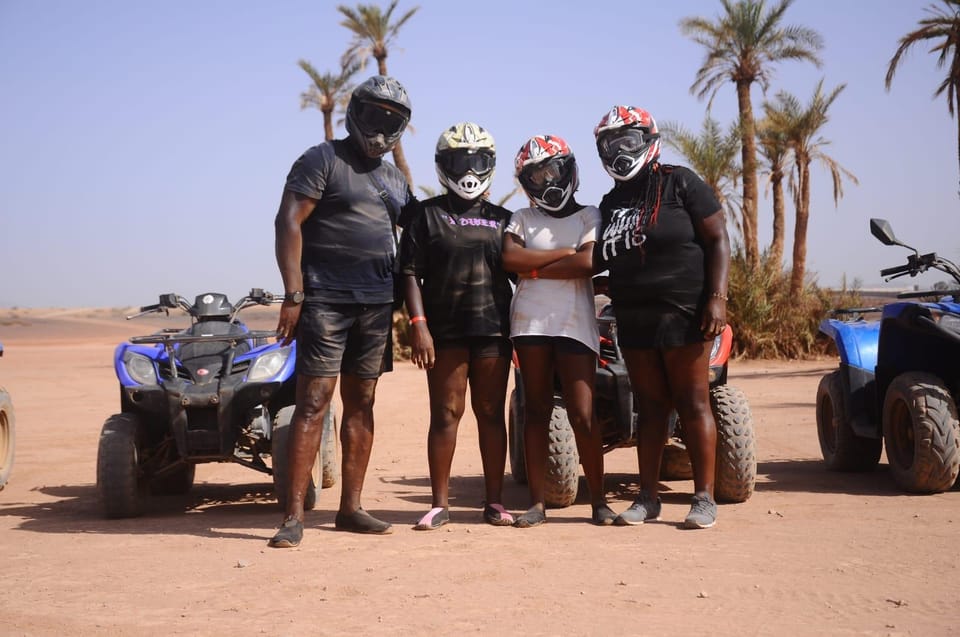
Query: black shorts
{"points": [[479, 346], [656, 327], [561, 344], [335, 338]]}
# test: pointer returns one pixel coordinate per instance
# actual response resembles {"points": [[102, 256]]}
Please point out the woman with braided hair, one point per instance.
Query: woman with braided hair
{"points": [[664, 241]]}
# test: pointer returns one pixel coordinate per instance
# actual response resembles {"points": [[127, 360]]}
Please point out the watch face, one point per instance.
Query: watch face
{"points": [[296, 297]]}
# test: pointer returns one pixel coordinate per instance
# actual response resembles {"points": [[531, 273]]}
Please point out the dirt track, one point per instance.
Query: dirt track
{"points": [[810, 553]]}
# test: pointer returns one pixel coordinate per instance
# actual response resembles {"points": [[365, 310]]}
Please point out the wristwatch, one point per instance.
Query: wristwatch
{"points": [[294, 297]]}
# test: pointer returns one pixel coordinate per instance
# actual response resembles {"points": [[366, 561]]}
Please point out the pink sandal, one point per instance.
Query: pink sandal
{"points": [[434, 519], [496, 515]]}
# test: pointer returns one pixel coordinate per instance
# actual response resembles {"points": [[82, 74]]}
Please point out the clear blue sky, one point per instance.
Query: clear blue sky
{"points": [[144, 145]]}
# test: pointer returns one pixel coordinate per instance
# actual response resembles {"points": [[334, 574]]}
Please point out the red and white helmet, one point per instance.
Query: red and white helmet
{"points": [[547, 171], [628, 141]]}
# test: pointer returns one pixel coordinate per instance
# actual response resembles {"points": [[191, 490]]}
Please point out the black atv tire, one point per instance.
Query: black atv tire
{"points": [[279, 452], [842, 449], [330, 450], [8, 436], [736, 471], [921, 432], [119, 484], [563, 460], [176, 482], [518, 462]]}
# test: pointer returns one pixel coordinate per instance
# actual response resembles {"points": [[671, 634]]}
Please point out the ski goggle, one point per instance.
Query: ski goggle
{"points": [[547, 173], [623, 141], [459, 162], [377, 119]]}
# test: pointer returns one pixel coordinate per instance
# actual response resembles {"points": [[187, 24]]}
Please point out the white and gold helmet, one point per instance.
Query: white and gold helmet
{"points": [[466, 158]]}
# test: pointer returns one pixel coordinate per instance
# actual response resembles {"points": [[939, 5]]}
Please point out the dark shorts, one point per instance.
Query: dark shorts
{"points": [[656, 327], [561, 344], [479, 346], [349, 338]]}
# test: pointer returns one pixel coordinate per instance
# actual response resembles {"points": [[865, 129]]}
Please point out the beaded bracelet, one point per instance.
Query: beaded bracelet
{"points": [[720, 296], [417, 319]]}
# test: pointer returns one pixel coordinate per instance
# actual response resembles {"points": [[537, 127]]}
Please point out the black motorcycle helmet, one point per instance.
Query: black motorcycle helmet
{"points": [[378, 113]]}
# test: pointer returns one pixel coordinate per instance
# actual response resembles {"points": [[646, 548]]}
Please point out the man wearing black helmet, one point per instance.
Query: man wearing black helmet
{"points": [[335, 247]]}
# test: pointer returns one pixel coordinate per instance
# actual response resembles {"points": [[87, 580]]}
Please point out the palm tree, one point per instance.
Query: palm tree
{"points": [[775, 149], [801, 126], [742, 46], [712, 155], [327, 92], [944, 25], [374, 35]]}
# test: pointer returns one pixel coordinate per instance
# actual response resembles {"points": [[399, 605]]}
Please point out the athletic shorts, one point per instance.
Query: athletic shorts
{"points": [[348, 338], [560, 344], [656, 327], [479, 346]]}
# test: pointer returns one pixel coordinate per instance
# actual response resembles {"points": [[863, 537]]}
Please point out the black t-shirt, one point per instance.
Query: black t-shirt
{"points": [[349, 246], [458, 259], [662, 262]]}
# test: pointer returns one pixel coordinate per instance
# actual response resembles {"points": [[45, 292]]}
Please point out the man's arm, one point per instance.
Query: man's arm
{"points": [[294, 210]]}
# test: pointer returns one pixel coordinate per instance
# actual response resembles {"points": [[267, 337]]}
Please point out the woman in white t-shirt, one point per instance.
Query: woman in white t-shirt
{"points": [[552, 318]]}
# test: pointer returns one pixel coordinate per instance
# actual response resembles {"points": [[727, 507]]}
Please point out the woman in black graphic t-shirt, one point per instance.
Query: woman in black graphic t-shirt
{"points": [[458, 296], [664, 242]]}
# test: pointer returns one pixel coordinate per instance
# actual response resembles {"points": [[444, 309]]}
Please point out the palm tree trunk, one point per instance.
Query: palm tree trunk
{"points": [[800, 230], [957, 111], [399, 159], [748, 136], [779, 223], [328, 124]]}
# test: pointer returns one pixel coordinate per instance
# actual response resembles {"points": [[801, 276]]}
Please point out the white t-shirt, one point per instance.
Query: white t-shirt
{"points": [[555, 307]]}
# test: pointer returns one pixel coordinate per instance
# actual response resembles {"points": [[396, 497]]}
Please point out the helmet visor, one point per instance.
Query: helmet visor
{"points": [[457, 163], [377, 119], [622, 141], [538, 177]]}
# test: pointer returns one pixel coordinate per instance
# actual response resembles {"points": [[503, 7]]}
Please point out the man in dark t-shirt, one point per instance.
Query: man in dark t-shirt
{"points": [[336, 247]]}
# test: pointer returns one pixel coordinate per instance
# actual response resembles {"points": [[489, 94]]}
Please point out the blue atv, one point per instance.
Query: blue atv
{"points": [[215, 391], [8, 434], [898, 383]]}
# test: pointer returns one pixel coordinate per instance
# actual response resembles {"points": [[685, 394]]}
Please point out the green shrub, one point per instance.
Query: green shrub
{"points": [[767, 321]]}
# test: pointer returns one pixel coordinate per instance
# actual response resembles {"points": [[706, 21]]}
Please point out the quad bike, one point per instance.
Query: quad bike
{"points": [[213, 392], [8, 431], [898, 383], [617, 417]]}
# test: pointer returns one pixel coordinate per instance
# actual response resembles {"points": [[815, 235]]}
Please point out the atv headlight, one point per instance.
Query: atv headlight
{"points": [[715, 349], [268, 365], [946, 320], [140, 368]]}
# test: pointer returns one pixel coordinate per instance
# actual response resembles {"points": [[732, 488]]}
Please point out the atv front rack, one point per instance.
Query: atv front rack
{"points": [[169, 340]]}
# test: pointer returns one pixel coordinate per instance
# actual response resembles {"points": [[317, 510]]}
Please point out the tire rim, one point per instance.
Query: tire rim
{"points": [[831, 432], [4, 440], [901, 442]]}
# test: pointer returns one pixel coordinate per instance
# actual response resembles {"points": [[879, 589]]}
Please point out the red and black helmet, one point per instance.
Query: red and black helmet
{"points": [[628, 141], [547, 171]]}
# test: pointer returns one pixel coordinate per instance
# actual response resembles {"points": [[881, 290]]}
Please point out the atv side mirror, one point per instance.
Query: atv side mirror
{"points": [[880, 228]]}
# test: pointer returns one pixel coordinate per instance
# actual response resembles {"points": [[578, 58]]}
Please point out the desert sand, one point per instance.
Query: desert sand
{"points": [[811, 553]]}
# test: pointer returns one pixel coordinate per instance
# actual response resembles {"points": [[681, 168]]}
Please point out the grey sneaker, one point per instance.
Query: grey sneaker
{"points": [[703, 513], [643, 509]]}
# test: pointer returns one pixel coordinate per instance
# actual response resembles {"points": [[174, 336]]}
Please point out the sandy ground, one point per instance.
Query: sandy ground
{"points": [[810, 553]]}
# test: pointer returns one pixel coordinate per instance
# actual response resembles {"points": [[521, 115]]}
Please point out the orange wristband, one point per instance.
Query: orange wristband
{"points": [[417, 319], [533, 274]]}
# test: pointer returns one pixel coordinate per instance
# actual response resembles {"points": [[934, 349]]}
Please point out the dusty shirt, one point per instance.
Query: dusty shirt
{"points": [[349, 246], [555, 307], [457, 257], [663, 262]]}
